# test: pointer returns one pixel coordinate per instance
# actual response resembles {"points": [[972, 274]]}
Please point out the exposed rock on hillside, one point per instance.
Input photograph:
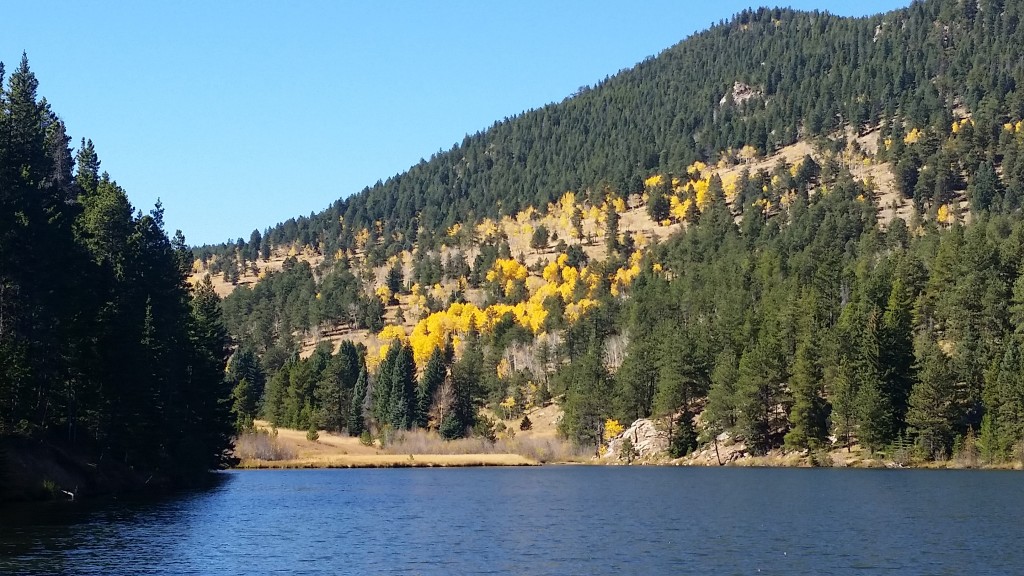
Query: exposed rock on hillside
{"points": [[648, 440]]}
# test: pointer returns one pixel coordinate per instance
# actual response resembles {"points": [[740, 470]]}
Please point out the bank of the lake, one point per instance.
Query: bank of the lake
{"points": [[391, 461], [38, 470]]}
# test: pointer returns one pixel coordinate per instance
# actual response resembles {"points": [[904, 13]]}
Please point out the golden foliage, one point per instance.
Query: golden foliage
{"points": [[486, 229], [945, 215], [748, 153], [612, 428]]}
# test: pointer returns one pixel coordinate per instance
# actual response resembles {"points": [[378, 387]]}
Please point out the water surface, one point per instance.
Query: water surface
{"points": [[548, 520]]}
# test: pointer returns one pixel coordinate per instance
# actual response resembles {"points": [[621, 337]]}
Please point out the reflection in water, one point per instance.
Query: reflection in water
{"points": [[551, 520], [99, 536]]}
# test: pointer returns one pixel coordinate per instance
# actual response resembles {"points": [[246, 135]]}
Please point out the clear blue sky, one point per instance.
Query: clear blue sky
{"points": [[239, 115]]}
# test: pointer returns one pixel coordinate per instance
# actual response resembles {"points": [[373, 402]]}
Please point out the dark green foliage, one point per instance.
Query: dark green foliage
{"points": [[102, 345], [587, 387], [356, 424], [611, 231], [932, 405], [402, 407], [722, 411], [430, 383], [809, 415], [525, 424], [249, 382], [244, 405], [466, 377], [684, 436], [395, 281], [539, 239], [762, 405], [597, 138]]}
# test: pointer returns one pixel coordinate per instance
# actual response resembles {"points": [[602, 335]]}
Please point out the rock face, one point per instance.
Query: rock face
{"points": [[648, 441], [741, 93]]}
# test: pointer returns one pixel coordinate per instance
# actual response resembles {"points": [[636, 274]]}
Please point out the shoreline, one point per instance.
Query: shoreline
{"points": [[389, 461], [516, 460]]}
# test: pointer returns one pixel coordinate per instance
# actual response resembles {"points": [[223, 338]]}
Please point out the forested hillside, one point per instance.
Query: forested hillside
{"points": [[764, 79], [799, 229], [105, 351]]}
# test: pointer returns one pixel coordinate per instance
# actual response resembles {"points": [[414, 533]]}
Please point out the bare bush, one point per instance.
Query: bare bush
{"points": [[262, 445]]}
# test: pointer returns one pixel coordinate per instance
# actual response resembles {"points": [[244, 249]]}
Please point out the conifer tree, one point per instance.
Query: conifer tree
{"points": [[402, 409], [931, 402], [433, 376], [809, 414], [356, 423]]}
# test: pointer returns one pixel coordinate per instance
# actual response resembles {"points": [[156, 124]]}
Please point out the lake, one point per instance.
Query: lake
{"points": [[547, 520]]}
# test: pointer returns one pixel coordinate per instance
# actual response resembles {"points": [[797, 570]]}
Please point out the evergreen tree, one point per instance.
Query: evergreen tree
{"points": [[876, 421], [722, 411], [402, 409], [759, 389], [611, 233], [586, 384], [809, 414], [684, 436], [433, 377], [843, 391], [931, 402], [356, 424]]}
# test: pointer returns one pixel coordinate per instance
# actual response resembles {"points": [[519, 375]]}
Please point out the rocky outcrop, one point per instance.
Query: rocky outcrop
{"points": [[648, 441], [740, 94]]}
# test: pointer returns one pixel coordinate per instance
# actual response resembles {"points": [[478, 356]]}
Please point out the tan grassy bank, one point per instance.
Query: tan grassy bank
{"points": [[391, 461], [287, 448]]}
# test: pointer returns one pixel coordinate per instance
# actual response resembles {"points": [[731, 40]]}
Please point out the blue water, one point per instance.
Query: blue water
{"points": [[550, 520]]}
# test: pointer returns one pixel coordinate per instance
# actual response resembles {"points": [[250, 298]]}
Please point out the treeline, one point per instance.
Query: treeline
{"points": [[757, 80], [339, 392], [805, 326], [818, 321], [787, 315], [104, 348]]}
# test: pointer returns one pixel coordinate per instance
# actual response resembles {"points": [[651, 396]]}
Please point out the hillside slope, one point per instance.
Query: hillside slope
{"points": [[805, 228]]}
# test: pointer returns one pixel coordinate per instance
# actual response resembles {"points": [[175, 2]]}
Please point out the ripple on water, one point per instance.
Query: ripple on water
{"points": [[549, 520]]}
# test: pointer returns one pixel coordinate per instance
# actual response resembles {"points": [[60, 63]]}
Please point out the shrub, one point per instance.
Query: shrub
{"points": [[525, 424], [627, 452], [366, 439], [261, 445]]}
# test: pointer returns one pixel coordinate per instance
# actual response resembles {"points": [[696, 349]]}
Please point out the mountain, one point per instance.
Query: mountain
{"points": [[765, 79], [798, 229], [792, 231]]}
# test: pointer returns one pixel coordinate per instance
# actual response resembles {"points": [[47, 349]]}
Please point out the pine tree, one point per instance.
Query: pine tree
{"points": [[383, 385], [433, 376], [611, 233], [586, 384], [809, 414], [843, 392], [402, 409], [876, 421], [931, 402], [722, 411], [356, 424], [759, 389], [896, 348]]}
